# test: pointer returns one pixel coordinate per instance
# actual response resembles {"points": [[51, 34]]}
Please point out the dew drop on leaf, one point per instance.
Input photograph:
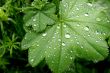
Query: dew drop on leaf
{"points": [[34, 19], [77, 8], [89, 4], [67, 35], [63, 44], [86, 14], [34, 24], [86, 28], [32, 60], [37, 45], [82, 47], [98, 19], [77, 42], [64, 25], [97, 41], [71, 51], [59, 40], [44, 34], [71, 58], [88, 35]]}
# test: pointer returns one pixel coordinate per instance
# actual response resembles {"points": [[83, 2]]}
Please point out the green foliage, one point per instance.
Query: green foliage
{"points": [[61, 36], [80, 31]]}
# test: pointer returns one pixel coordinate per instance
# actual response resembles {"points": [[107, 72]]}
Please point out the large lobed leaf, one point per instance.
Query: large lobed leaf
{"points": [[80, 32]]}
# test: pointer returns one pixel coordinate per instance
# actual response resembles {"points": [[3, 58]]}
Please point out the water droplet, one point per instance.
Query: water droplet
{"points": [[75, 37], [67, 36], [97, 32], [53, 37], [59, 40], [34, 19], [37, 45], [49, 47], [32, 60], [63, 44], [54, 48], [71, 51], [66, 56], [58, 27], [64, 25], [98, 19], [77, 8], [97, 41], [44, 34], [89, 4], [77, 42], [54, 55], [95, 61], [71, 58], [86, 14], [82, 47], [25, 38], [88, 35], [35, 25], [78, 25], [108, 21], [86, 28], [104, 33]]}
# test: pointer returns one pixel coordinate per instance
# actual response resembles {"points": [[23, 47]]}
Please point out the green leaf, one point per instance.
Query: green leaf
{"points": [[37, 21], [80, 32]]}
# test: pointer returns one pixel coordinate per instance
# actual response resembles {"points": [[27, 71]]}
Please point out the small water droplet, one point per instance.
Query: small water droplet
{"points": [[77, 8], [54, 48], [104, 33], [71, 58], [108, 21], [77, 42], [97, 41], [37, 45], [97, 32], [32, 60], [64, 25], [49, 47], [25, 38], [67, 35], [71, 51], [34, 19], [88, 35], [89, 4], [44, 34], [53, 37], [78, 25], [98, 19], [86, 14], [66, 56], [95, 61], [58, 27], [75, 37], [63, 44], [35, 25], [59, 40], [82, 47], [86, 28]]}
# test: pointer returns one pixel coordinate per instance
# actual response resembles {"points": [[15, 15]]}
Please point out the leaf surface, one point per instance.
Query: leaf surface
{"points": [[37, 20], [80, 32]]}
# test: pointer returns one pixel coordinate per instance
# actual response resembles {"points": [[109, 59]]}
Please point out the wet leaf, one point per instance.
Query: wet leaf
{"points": [[37, 20], [80, 32]]}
